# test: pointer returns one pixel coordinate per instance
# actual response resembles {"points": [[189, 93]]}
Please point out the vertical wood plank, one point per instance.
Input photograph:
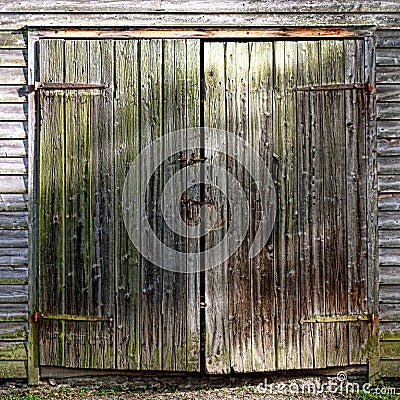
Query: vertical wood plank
{"points": [[151, 275], [310, 189], [239, 277], [174, 294], [262, 266], [356, 179], [332, 64], [216, 279], [192, 245], [51, 255], [101, 278], [127, 258], [286, 252], [78, 223]]}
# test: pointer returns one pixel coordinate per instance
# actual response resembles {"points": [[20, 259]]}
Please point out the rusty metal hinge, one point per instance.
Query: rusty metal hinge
{"points": [[323, 319], [339, 86], [65, 86], [69, 317], [192, 160]]}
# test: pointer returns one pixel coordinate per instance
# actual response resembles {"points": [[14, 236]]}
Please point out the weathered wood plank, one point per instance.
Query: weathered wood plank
{"points": [[356, 192], [387, 56], [13, 130], [353, 23], [14, 256], [335, 240], [13, 39], [390, 350], [13, 166], [388, 129], [389, 219], [13, 111], [389, 293], [151, 275], [389, 38], [13, 202], [126, 142], [388, 111], [239, 267], [389, 256], [389, 183], [387, 74], [174, 294], [389, 330], [193, 244], [216, 279], [389, 275], [388, 147], [262, 266], [13, 331], [13, 275], [78, 217], [12, 351], [100, 65], [13, 76], [286, 254], [292, 6], [389, 201], [13, 293], [13, 312], [13, 94], [13, 57], [389, 312], [310, 189], [13, 184], [14, 220], [14, 238], [389, 238], [13, 148], [387, 93], [389, 165], [13, 370]]}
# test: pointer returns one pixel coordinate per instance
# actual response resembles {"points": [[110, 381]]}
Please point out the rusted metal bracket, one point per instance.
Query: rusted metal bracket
{"points": [[65, 86], [323, 319], [190, 161], [197, 203], [69, 317], [339, 86]]}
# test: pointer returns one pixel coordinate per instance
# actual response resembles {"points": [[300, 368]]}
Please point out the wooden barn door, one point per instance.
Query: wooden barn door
{"points": [[300, 303], [102, 305]]}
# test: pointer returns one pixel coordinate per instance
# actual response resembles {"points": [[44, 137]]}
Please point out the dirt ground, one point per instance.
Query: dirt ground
{"points": [[296, 388]]}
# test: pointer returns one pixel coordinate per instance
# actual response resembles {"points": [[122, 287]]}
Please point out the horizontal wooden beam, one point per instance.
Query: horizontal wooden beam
{"points": [[225, 6], [225, 33]]}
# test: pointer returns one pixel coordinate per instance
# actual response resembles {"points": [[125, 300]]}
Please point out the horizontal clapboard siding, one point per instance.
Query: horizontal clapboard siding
{"points": [[388, 147], [13, 204]]}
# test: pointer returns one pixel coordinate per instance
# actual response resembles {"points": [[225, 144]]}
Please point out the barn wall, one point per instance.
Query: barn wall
{"points": [[388, 127], [16, 16], [13, 204]]}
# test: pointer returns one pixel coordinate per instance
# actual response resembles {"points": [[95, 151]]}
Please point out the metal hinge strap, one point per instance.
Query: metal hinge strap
{"points": [[69, 317], [322, 319], [339, 86], [65, 86]]}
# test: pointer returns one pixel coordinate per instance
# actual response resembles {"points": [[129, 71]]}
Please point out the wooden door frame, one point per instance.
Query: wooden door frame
{"points": [[248, 33]]}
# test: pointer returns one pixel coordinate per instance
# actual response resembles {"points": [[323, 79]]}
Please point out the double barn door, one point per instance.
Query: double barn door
{"points": [[102, 304]]}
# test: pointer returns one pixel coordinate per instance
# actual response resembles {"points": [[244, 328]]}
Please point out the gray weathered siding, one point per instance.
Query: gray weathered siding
{"points": [[13, 204], [388, 128]]}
